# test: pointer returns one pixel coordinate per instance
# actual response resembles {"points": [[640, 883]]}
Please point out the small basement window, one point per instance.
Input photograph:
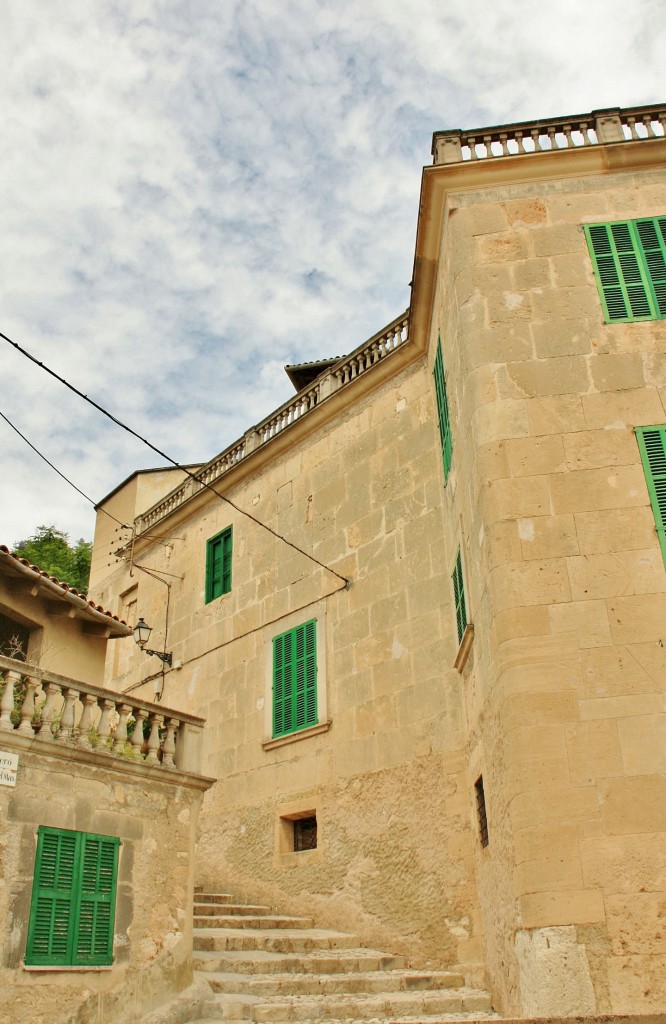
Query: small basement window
{"points": [[305, 834]]}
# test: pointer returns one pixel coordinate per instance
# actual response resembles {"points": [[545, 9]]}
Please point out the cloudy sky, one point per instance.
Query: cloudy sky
{"points": [[196, 193]]}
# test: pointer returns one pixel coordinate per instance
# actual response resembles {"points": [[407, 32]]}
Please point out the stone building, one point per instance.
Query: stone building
{"points": [[422, 605], [98, 819]]}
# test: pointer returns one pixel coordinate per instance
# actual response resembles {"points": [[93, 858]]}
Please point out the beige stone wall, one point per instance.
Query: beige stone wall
{"points": [[156, 822], [567, 590], [388, 778]]}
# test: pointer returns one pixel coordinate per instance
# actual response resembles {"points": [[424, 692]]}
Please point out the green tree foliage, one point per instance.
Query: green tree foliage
{"points": [[49, 549]]}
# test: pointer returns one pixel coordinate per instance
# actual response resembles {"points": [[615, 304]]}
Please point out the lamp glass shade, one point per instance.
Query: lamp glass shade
{"points": [[141, 632]]}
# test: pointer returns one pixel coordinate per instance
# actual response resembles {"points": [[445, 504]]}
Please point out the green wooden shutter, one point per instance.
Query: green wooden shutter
{"points": [[459, 596], [93, 941], [73, 899], [218, 565], [629, 259], [56, 865], [443, 409], [295, 679], [652, 235], [282, 650], [652, 446]]}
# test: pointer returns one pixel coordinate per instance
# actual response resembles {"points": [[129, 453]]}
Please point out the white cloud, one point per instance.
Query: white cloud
{"points": [[195, 194]]}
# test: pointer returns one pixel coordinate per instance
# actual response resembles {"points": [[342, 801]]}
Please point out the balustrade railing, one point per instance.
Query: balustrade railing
{"points": [[346, 370], [58, 710], [634, 124]]}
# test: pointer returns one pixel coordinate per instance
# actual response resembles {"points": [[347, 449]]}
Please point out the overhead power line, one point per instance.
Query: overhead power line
{"points": [[60, 474], [163, 455]]}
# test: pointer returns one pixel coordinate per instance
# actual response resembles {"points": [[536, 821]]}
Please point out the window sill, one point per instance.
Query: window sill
{"points": [[465, 647], [292, 737], [67, 967]]}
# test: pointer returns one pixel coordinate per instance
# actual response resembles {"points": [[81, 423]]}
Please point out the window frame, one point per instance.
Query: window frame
{"points": [[71, 922], [654, 467], [219, 583], [443, 411], [630, 268], [294, 702]]}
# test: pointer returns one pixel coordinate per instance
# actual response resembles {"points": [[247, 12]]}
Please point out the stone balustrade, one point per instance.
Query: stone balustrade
{"points": [[600, 127], [346, 370], [58, 710]]}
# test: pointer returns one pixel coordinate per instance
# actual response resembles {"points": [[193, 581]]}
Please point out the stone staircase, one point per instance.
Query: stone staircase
{"points": [[269, 968]]}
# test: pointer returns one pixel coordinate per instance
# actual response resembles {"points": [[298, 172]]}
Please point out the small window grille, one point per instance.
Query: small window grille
{"points": [[305, 834], [481, 811]]}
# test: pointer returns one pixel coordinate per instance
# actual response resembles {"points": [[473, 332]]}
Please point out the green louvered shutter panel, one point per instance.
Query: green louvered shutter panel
{"points": [[305, 676], [218, 565], [628, 259], [443, 409], [49, 927], [652, 235], [93, 943], [282, 660], [652, 446], [295, 679], [459, 597]]}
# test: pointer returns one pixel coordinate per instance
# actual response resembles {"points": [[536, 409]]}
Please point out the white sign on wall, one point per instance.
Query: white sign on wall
{"points": [[8, 768]]}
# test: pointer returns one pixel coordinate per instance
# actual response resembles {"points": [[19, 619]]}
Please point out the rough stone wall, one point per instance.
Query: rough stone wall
{"points": [[567, 590], [156, 823], [387, 779]]}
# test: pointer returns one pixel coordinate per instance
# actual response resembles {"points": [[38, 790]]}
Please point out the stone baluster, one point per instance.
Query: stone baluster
{"points": [[154, 739], [140, 715], [566, 131], [104, 725], [169, 745], [649, 126], [121, 728], [473, 155], [66, 729], [521, 142], [534, 135], [12, 679], [28, 707], [631, 124], [86, 721], [503, 143], [48, 711]]}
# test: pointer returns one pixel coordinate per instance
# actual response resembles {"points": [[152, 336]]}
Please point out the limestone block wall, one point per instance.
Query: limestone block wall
{"points": [[156, 822], [567, 590], [386, 775]]}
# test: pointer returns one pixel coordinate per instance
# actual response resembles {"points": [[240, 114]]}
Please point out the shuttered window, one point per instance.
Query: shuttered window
{"points": [[652, 446], [295, 679], [443, 409], [459, 596], [629, 259], [73, 899], [218, 565]]}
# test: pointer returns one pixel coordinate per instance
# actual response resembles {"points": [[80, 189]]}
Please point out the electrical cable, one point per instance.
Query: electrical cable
{"points": [[168, 458], [56, 470]]}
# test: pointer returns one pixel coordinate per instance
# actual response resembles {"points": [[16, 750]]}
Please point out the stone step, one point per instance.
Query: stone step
{"points": [[364, 982], [273, 921], [277, 940], [353, 1007], [240, 909], [345, 961], [212, 897]]}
